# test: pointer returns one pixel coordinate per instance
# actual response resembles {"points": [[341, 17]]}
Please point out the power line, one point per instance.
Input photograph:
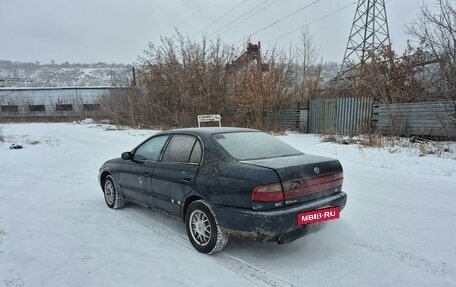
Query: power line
{"points": [[247, 18], [312, 22], [238, 18], [192, 14], [281, 19], [220, 18]]}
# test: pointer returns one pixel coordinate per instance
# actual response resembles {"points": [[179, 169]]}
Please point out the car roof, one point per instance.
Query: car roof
{"points": [[211, 130]]}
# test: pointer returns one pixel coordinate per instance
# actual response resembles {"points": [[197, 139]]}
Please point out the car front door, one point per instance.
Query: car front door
{"points": [[175, 174], [136, 174]]}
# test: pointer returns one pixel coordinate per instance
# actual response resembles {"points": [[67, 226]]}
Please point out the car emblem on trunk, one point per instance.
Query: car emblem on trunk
{"points": [[316, 170]]}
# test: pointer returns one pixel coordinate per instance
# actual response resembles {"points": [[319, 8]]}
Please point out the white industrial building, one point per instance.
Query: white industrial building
{"points": [[53, 103]]}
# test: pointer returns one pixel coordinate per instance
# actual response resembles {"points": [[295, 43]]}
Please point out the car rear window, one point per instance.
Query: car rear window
{"points": [[254, 145]]}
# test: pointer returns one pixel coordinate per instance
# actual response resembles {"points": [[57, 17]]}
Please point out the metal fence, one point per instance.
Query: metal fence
{"points": [[424, 118], [340, 116], [361, 115], [288, 119]]}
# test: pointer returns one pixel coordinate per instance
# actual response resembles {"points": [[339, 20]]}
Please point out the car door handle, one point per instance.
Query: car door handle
{"points": [[147, 174], [187, 178]]}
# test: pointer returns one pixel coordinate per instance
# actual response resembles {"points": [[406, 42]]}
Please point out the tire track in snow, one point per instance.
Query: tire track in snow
{"points": [[239, 267], [250, 272], [15, 281], [3, 235], [407, 258]]}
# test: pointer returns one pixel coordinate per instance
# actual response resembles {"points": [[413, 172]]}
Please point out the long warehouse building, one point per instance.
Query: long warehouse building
{"points": [[52, 103]]}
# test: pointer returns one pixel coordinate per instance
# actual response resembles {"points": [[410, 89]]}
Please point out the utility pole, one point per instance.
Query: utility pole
{"points": [[112, 73], [369, 33], [134, 77]]}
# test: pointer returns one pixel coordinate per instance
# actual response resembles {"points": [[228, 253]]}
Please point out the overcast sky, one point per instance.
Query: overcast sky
{"points": [[117, 31]]}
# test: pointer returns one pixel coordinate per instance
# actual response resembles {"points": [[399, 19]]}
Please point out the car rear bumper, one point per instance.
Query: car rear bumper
{"points": [[274, 225]]}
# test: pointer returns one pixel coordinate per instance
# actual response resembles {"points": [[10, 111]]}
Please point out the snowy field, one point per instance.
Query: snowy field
{"points": [[398, 229]]}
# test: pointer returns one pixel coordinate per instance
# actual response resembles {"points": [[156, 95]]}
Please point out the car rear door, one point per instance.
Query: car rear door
{"points": [[174, 176], [136, 174]]}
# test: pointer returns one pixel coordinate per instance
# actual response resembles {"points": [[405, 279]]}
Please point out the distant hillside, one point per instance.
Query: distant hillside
{"points": [[330, 70], [20, 74]]}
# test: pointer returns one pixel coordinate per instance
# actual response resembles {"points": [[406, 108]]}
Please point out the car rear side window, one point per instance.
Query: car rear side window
{"points": [[150, 150], [254, 145], [180, 148], [196, 153]]}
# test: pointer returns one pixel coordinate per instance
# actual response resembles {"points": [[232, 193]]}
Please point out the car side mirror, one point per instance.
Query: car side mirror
{"points": [[126, 155]]}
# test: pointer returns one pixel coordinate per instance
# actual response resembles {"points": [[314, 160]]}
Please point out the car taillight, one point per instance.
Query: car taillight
{"points": [[268, 193]]}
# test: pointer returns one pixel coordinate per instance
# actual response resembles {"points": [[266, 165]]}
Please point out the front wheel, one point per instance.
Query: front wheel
{"points": [[112, 196], [203, 230]]}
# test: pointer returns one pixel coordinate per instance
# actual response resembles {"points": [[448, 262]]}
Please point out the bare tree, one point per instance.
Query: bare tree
{"points": [[252, 92], [390, 78], [181, 79], [306, 57], [436, 31]]}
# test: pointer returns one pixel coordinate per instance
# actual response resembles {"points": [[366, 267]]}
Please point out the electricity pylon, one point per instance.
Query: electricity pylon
{"points": [[369, 33]]}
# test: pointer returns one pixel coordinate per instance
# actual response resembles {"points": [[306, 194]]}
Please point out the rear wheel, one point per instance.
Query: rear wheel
{"points": [[112, 196], [203, 230]]}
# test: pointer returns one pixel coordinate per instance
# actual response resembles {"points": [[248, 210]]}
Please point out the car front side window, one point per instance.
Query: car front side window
{"points": [[150, 150]]}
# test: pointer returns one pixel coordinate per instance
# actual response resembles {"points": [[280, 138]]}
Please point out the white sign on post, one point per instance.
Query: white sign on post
{"points": [[209, 118]]}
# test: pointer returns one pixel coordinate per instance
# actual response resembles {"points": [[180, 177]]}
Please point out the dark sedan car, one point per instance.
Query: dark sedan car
{"points": [[227, 181]]}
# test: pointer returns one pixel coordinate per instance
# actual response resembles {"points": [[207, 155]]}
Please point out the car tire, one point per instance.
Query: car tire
{"points": [[114, 199], [203, 229]]}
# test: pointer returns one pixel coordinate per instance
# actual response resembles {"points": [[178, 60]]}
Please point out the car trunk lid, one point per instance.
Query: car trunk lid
{"points": [[304, 177]]}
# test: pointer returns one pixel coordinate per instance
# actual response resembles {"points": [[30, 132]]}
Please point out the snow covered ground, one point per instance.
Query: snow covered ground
{"points": [[398, 229]]}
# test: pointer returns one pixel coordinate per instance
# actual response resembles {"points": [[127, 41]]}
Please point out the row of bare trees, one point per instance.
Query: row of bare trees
{"points": [[179, 79]]}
